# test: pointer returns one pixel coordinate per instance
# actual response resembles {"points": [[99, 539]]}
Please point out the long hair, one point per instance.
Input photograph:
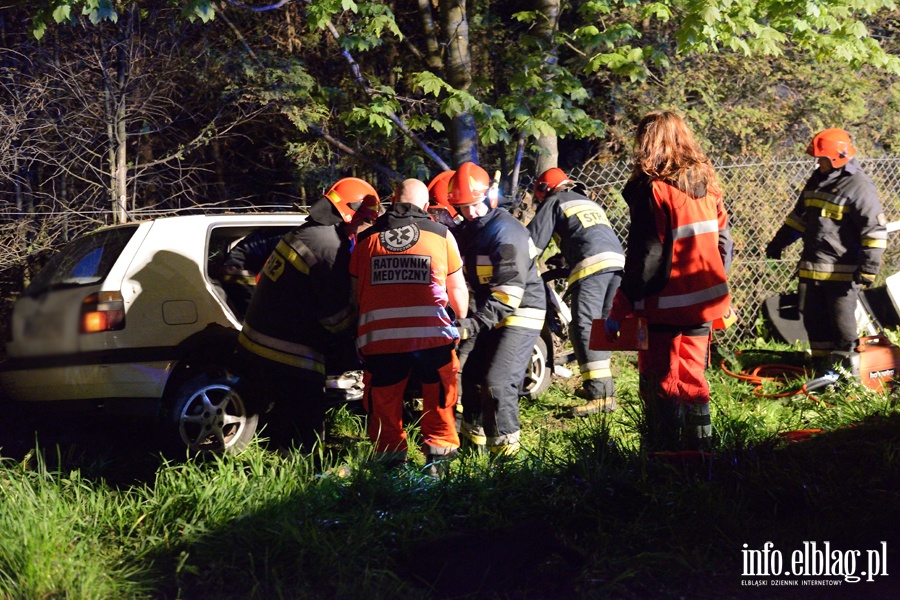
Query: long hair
{"points": [[665, 148]]}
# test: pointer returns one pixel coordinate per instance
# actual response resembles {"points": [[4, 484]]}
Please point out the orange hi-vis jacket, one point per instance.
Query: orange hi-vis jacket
{"points": [[679, 250], [401, 264]]}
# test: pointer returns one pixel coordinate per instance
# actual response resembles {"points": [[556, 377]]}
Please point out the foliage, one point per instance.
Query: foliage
{"points": [[532, 76]]}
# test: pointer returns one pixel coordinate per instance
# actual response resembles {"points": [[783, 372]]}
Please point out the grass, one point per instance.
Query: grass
{"points": [[582, 512]]}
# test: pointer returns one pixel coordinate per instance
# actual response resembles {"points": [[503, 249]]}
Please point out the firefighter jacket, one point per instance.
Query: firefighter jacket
{"points": [[679, 250], [499, 264], [840, 219], [302, 298], [401, 264], [581, 230]]}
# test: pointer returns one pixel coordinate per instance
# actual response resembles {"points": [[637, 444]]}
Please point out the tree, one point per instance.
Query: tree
{"points": [[486, 73]]}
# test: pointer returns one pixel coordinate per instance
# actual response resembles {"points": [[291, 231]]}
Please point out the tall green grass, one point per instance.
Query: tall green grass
{"points": [[333, 524]]}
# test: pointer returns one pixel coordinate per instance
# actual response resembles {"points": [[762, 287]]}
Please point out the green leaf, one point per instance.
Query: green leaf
{"points": [[62, 13]]}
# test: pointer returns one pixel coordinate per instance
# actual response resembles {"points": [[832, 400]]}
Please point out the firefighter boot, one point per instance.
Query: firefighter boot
{"points": [[697, 432], [595, 405], [847, 361]]}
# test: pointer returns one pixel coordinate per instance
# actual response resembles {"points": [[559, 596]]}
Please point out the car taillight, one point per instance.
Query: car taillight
{"points": [[103, 311]]}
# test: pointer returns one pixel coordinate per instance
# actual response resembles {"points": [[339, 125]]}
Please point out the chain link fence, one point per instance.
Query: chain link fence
{"points": [[758, 196]]}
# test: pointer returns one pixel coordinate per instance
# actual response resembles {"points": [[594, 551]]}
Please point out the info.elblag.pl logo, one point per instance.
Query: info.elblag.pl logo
{"points": [[813, 564]]}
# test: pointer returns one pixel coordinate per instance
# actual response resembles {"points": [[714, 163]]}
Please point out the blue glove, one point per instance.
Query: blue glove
{"points": [[612, 328]]}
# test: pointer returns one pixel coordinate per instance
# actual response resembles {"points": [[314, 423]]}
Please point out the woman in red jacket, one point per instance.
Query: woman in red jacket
{"points": [[679, 250]]}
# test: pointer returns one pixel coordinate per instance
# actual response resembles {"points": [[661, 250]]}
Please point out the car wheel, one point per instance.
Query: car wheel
{"points": [[540, 370], [210, 413]]}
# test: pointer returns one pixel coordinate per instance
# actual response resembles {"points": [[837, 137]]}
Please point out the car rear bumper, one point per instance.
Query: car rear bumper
{"points": [[108, 386]]}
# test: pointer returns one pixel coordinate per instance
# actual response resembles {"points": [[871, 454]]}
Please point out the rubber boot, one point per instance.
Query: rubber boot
{"points": [[664, 421], [697, 432], [437, 465]]}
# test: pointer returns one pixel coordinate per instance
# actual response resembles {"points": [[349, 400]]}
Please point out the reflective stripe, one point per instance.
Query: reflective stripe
{"points": [[698, 228], [314, 362], [828, 210], [301, 262], [596, 374], [439, 450], [509, 295], [526, 318], [574, 207], [874, 243], [822, 276], [596, 364], [596, 263], [596, 369], [403, 313], [473, 433], [339, 321], [794, 222], [698, 297], [825, 271], [509, 441], [408, 333]]}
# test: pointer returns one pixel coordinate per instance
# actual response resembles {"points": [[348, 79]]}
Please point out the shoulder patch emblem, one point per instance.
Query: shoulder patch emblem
{"points": [[400, 239]]}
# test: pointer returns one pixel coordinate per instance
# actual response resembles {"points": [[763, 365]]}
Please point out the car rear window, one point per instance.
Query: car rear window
{"points": [[83, 261]]}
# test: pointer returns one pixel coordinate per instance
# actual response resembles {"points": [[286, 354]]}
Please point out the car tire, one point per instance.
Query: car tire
{"points": [[210, 412], [539, 373]]}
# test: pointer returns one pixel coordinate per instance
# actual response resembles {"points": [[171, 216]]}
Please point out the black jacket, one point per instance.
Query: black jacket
{"points": [[581, 230]]}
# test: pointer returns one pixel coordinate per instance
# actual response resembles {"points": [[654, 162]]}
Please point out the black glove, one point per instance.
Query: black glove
{"points": [[468, 328], [773, 250], [784, 237], [864, 279]]}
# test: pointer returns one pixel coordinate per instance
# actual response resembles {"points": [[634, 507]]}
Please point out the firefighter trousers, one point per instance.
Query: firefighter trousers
{"points": [[592, 298], [673, 386], [297, 414], [493, 373], [386, 378], [829, 317]]}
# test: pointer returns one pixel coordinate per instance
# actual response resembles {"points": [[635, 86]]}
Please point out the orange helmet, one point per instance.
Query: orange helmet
{"points": [[439, 206], [833, 144], [437, 189], [549, 181], [351, 195], [470, 184]]}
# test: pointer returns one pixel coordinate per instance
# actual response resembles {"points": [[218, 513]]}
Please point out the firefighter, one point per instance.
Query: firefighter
{"points": [[300, 312], [678, 252], [840, 219], [498, 336], [407, 272], [595, 257], [439, 206]]}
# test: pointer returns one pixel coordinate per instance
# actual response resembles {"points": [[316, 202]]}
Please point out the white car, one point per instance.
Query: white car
{"points": [[132, 320]]}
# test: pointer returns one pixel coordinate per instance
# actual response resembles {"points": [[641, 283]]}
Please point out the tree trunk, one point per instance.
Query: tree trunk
{"points": [[463, 132], [548, 150]]}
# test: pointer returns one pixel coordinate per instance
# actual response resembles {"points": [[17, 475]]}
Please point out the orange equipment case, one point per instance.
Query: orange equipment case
{"points": [[879, 361], [632, 335]]}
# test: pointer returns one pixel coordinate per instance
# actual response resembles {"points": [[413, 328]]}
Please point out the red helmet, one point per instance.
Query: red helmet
{"points": [[437, 189], [833, 144], [351, 195], [470, 184], [549, 181], [439, 206]]}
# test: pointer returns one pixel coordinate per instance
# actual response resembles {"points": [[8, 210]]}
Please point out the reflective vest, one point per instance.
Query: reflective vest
{"points": [[675, 267], [401, 265]]}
